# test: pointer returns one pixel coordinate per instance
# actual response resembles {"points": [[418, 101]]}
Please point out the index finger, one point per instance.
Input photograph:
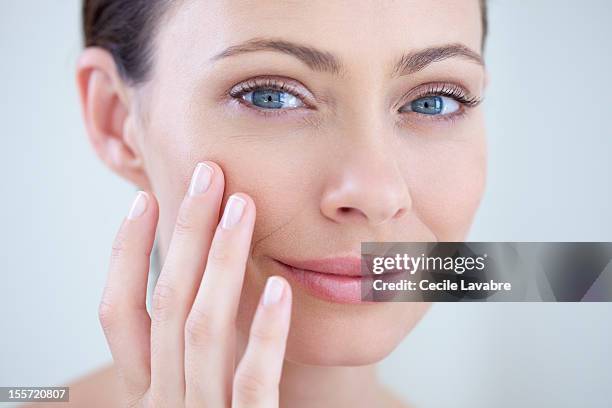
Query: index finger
{"points": [[210, 326]]}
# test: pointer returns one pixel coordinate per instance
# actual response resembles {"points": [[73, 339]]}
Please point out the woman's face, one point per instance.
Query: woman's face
{"points": [[345, 121]]}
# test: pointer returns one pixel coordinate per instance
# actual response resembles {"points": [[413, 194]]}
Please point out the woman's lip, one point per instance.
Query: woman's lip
{"points": [[343, 266], [337, 280], [327, 286]]}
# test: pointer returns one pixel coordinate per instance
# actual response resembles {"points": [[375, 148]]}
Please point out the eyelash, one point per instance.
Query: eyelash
{"points": [[459, 93], [238, 91], [454, 91]]}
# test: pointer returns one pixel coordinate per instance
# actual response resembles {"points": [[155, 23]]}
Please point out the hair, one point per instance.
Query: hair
{"points": [[125, 29]]}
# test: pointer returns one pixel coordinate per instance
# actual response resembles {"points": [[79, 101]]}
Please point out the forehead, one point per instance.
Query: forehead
{"points": [[355, 30]]}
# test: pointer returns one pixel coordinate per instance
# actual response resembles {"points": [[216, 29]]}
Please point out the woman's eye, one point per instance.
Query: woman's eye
{"points": [[272, 99], [432, 105]]}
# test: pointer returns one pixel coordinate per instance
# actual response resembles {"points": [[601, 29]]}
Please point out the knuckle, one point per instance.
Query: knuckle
{"points": [[134, 402], [184, 224], [153, 399], [135, 388], [106, 311], [162, 302], [119, 246], [201, 328], [134, 399], [250, 388], [220, 251], [264, 336]]}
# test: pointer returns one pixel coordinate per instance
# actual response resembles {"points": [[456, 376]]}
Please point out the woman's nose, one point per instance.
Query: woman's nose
{"points": [[365, 188]]}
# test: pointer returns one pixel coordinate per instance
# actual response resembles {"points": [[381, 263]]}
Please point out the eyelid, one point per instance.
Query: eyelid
{"points": [[281, 84], [452, 90]]}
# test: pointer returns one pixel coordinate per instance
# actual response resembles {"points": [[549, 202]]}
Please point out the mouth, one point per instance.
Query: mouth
{"points": [[338, 280]]}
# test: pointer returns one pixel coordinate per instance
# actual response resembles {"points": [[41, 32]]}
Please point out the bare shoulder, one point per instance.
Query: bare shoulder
{"points": [[99, 388]]}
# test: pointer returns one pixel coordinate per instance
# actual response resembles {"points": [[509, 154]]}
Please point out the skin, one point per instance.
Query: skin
{"points": [[317, 181]]}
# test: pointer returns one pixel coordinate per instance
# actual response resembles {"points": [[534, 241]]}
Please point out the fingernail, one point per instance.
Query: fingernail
{"points": [[273, 291], [200, 181], [138, 206], [233, 211]]}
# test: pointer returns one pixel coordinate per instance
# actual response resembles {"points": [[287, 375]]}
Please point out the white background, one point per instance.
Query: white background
{"points": [[549, 111]]}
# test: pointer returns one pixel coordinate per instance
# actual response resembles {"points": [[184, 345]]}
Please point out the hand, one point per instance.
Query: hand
{"points": [[182, 355]]}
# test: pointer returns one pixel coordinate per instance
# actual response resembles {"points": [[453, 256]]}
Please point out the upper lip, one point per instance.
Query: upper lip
{"points": [[344, 265]]}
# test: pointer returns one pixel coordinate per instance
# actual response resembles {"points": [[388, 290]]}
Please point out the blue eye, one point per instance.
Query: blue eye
{"points": [[272, 99], [432, 105]]}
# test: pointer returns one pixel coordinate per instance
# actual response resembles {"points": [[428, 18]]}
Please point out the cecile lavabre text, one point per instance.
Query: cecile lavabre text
{"points": [[411, 264]]}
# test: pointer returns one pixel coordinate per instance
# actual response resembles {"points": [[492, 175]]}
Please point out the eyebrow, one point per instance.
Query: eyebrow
{"points": [[416, 61], [324, 61]]}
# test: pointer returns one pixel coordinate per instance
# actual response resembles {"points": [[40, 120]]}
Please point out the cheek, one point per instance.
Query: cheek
{"points": [[447, 180], [271, 165]]}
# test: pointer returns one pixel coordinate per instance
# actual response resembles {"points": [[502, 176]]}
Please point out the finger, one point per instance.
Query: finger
{"points": [[259, 372], [210, 327], [179, 280], [122, 311]]}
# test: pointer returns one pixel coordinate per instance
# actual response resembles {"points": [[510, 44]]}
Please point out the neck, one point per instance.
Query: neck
{"points": [[316, 386]]}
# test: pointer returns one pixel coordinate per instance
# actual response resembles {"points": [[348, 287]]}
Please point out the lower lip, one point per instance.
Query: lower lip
{"points": [[326, 286]]}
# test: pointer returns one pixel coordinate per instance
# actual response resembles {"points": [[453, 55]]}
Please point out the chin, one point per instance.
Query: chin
{"points": [[327, 334], [328, 331]]}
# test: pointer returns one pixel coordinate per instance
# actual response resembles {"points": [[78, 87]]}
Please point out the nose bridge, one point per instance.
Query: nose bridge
{"points": [[365, 182], [369, 140], [370, 154], [371, 164]]}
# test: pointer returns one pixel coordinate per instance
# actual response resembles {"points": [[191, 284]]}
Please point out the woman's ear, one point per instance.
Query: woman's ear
{"points": [[110, 119]]}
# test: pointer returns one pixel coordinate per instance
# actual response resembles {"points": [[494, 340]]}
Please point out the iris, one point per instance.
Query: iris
{"points": [[429, 105], [272, 99], [268, 99], [434, 105]]}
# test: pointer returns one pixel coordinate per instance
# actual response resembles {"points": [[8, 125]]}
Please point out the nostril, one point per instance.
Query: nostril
{"points": [[350, 213], [400, 213]]}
